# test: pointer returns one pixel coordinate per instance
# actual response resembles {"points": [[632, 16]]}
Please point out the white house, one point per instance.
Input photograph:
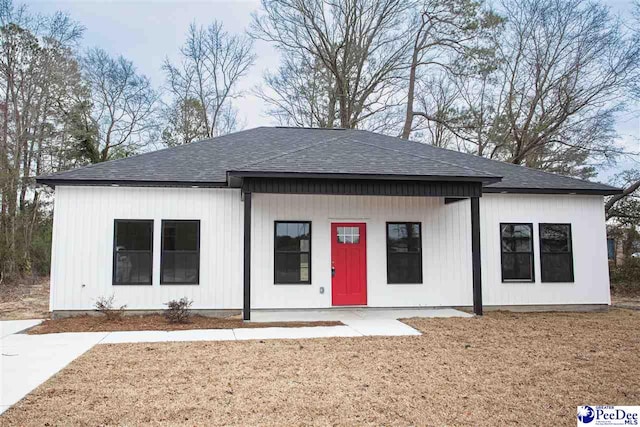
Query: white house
{"points": [[273, 218]]}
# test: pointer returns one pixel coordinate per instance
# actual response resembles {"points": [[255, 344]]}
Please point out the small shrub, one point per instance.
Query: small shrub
{"points": [[106, 306], [625, 278], [178, 311]]}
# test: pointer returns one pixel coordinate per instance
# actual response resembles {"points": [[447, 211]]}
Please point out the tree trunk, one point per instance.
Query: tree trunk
{"points": [[408, 120]]}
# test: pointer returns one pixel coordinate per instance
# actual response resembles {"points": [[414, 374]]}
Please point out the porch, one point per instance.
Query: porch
{"points": [[366, 207], [347, 314]]}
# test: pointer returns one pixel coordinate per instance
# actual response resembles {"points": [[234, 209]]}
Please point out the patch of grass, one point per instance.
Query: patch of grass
{"points": [[500, 369]]}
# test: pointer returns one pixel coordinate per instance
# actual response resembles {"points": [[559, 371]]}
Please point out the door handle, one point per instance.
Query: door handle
{"points": [[333, 270]]}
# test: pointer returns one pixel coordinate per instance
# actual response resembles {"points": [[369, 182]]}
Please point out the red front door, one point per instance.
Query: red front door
{"points": [[349, 263]]}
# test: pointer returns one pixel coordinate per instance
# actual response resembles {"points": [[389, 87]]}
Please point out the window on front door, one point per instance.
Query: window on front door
{"points": [[292, 257], [517, 252], [404, 252]]}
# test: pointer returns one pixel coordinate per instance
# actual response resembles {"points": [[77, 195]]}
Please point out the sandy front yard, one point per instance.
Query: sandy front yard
{"points": [[528, 369], [27, 299]]}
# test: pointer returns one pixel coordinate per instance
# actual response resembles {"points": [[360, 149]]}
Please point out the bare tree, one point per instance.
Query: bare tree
{"points": [[447, 34], [362, 44], [300, 93], [37, 74], [124, 105], [438, 97], [549, 99], [566, 64], [625, 207], [185, 122], [213, 62]]}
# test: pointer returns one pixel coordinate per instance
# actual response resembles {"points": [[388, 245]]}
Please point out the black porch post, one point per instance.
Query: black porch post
{"points": [[246, 309], [475, 249]]}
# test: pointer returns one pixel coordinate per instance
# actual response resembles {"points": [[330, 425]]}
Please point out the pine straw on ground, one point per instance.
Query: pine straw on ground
{"points": [[501, 369], [25, 299], [155, 322]]}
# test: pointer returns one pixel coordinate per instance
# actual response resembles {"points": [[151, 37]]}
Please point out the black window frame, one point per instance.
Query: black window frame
{"points": [[502, 252], [389, 281], [115, 252], [275, 252], [570, 246], [162, 252]]}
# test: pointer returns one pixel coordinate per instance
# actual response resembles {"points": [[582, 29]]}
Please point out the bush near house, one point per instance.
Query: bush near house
{"points": [[625, 278], [106, 306], [178, 311]]}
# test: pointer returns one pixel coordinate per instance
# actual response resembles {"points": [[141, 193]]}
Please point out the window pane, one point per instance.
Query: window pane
{"points": [[292, 260], [180, 235], [403, 237], [611, 249], [180, 267], [554, 238], [133, 267], [404, 268], [516, 266], [404, 259], [516, 238], [557, 267], [292, 236], [292, 267], [304, 267], [348, 234], [134, 235]]}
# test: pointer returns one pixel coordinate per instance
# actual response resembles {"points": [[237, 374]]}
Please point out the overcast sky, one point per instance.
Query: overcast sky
{"points": [[148, 31]]}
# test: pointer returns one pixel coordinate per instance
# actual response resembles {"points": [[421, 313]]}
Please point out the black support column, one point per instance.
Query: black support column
{"points": [[246, 308], [475, 249]]}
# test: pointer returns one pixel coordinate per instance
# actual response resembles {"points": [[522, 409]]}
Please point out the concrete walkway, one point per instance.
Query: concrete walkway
{"points": [[9, 327], [365, 321], [29, 360]]}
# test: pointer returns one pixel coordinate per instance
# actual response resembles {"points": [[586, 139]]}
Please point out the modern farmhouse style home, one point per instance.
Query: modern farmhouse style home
{"points": [[275, 218]]}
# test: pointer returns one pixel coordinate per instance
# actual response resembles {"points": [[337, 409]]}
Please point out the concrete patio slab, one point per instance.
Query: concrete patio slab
{"points": [[128, 337], [295, 333], [338, 314], [381, 327], [9, 327], [346, 314], [203, 335], [405, 313], [168, 336]]}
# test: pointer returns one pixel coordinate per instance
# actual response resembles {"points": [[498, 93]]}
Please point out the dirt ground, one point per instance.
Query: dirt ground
{"points": [[155, 322], [624, 301], [501, 369], [26, 299]]}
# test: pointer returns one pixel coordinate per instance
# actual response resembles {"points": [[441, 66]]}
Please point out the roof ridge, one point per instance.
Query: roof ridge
{"points": [[427, 158], [286, 153]]}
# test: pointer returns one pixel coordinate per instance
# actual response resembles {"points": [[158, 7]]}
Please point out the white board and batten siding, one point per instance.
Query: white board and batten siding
{"points": [[589, 235], [446, 249], [83, 247]]}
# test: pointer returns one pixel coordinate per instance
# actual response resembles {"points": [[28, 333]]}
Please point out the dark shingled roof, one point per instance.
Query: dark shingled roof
{"points": [[279, 151]]}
